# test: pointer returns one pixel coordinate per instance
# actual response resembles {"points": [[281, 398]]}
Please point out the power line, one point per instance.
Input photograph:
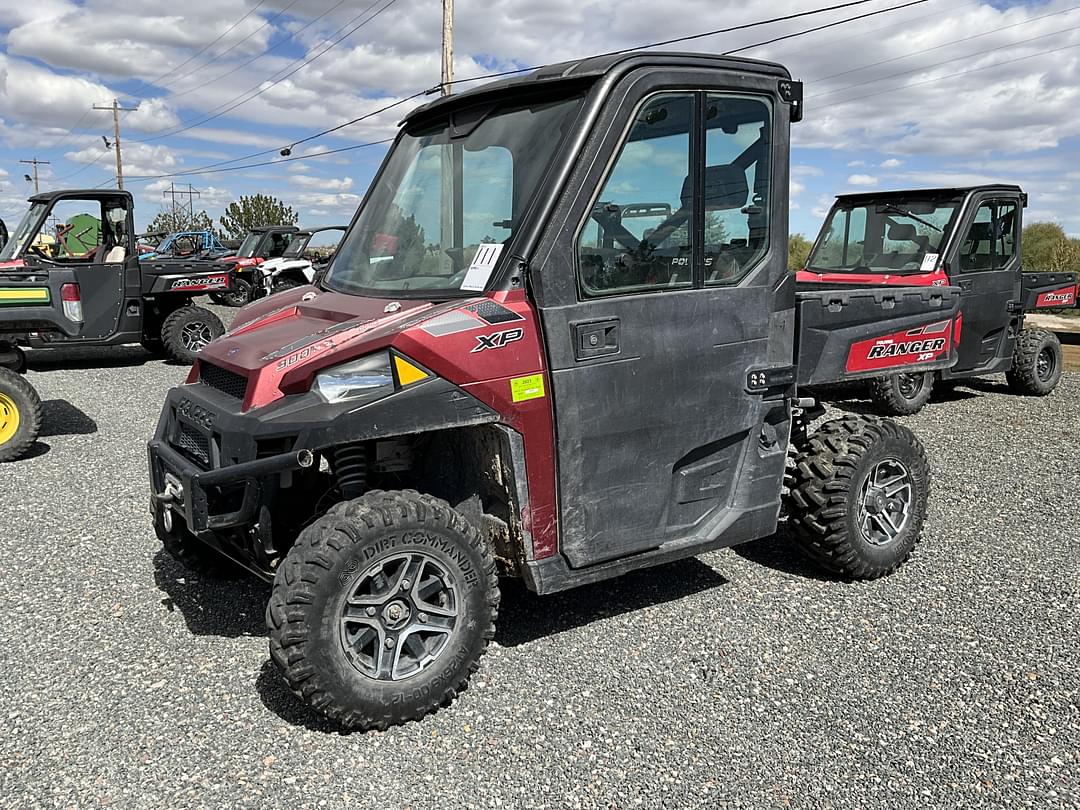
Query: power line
{"points": [[221, 165], [823, 27], [938, 64], [205, 47], [259, 89], [878, 92], [260, 55], [943, 45]]}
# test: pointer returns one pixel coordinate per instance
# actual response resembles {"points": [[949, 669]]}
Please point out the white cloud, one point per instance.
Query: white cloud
{"points": [[862, 180], [322, 183], [891, 163]]}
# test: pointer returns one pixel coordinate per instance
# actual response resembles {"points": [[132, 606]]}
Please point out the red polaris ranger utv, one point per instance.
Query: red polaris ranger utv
{"points": [[503, 373], [969, 237]]}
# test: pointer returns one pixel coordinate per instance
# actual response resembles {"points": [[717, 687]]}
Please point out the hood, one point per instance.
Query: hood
{"points": [[936, 278], [279, 342], [14, 264]]}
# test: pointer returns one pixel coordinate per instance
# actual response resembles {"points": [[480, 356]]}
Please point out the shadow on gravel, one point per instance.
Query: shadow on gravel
{"points": [[525, 617], [37, 449], [212, 607], [779, 553], [61, 418], [275, 696], [86, 357]]}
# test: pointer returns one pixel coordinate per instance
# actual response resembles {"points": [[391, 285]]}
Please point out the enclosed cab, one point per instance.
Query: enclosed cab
{"points": [[967, 237], [260, 245], [559, 342]]}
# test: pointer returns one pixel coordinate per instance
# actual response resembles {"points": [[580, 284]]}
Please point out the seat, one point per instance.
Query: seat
{"points": [[116, 255]]}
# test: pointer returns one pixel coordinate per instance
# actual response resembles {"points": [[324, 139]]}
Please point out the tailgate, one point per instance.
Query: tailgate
{"points": [[184, 276], [1047, 290], [866, 332], [30, 301]]}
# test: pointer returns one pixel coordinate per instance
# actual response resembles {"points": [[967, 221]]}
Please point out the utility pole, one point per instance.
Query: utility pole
{"points": [[36, 162], [189, 207], [116, 110], [447, 45]]}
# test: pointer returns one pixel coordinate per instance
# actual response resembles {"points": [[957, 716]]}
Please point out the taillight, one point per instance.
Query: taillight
{"points": [[71, 295]]}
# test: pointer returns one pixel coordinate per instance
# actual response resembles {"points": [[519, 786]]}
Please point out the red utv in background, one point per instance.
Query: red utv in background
{"points": [[260, 244], [964, 237]]}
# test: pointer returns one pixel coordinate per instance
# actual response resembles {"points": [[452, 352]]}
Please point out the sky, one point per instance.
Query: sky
{"points": [[939, 93]]}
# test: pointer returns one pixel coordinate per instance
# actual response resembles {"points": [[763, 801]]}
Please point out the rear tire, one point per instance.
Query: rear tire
{"points": [[187, 330], [902, 394], [238, 296], [382, 609], [1037, 363], [20, 415], [856, 496]]}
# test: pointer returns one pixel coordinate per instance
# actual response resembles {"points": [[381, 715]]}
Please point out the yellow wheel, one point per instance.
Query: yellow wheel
{"points": [[20, 415], [9, 418]]}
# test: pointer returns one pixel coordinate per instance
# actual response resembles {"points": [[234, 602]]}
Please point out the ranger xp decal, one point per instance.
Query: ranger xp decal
{"points": [[193, 284], [497, 340], [1065, 297], [900, 349]]}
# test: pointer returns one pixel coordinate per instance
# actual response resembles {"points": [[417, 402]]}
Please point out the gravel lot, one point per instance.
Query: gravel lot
{"points": [[742, 678]]}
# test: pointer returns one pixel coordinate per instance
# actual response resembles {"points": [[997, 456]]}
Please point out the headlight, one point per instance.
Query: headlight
{"points": [[368, 378]]}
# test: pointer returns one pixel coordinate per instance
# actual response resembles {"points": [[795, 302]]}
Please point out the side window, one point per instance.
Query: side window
{"points": [[638, 235], [990, 243], [738, 149]]}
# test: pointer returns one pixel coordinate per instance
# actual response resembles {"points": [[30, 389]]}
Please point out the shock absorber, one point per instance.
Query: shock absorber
{"points": [[350, 467]]}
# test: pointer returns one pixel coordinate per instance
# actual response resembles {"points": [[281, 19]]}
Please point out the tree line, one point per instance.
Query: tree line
{"points": [[255, 211]]}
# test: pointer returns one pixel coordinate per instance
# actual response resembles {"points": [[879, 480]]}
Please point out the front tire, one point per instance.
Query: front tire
{"points": [[240, 294], [857, 496], [382, 609], [1037, 363], [187, 330], [20, 415], [902, 394]]}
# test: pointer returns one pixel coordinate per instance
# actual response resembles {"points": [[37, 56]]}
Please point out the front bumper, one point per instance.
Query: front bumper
{"points": [[181, 486]]}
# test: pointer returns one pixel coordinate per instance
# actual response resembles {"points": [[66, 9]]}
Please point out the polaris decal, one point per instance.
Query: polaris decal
{"points": [[926, 344], [208, 283], [304, 354], [1065, 297], [497, 340]]}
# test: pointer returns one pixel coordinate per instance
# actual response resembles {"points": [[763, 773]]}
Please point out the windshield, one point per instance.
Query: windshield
{"points": [[247, 247], [897, 236], [297, 245], [23, 231], [445, 190]]}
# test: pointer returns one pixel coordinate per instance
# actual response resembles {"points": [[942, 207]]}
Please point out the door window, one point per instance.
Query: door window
{"points": [[738, 146], [990, 243], [639, 234]]}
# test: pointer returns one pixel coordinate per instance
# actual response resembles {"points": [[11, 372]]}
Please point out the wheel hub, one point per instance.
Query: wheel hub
{"points": [[885, 502], [909, 385], [398, 616], [9, 419], [195, 336], [1044, 364]]}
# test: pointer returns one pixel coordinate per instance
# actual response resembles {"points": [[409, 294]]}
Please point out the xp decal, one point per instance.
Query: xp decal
{"points": [[922, 345], [497, 340]]}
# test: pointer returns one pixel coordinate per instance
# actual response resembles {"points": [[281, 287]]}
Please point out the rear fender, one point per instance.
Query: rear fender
{"points": [[1048, 291], [855, 334]]}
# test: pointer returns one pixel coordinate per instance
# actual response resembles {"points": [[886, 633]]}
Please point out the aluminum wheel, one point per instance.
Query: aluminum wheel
{"points": [[196, 335], [1045, 364], [398, 616], [885, 502], [909, 385]]}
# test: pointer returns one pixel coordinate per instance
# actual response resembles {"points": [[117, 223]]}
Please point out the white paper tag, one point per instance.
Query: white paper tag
{"points": [[929, 262], [482, 265]]}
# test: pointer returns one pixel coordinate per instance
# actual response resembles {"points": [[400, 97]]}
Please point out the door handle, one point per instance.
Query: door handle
{"points": [[965, 285], [596, 338]]}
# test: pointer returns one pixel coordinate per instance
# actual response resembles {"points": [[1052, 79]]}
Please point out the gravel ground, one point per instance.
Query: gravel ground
{"points": [[742, 678]]}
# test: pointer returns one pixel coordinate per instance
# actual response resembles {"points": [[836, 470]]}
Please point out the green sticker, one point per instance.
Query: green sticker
{"points": [[531, 387]]}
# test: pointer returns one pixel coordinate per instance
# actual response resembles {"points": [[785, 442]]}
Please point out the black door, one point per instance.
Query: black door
{"points": [[658, 300], [988, 274]]}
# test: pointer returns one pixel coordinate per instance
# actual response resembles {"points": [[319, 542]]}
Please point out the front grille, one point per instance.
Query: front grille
{"points": [[225, 381], [193, 444]]}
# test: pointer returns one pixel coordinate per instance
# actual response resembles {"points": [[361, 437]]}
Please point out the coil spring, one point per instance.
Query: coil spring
{"points": [[350, 467]]}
